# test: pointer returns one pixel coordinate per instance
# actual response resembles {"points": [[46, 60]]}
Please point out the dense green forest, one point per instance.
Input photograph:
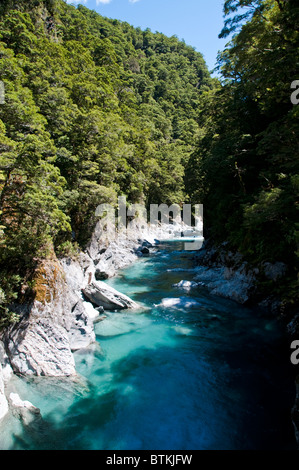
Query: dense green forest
{"points": [[245, 169], [95, 108]]}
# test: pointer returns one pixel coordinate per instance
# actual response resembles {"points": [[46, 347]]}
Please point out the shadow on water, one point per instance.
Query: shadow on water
{"points": [[160, 402]]}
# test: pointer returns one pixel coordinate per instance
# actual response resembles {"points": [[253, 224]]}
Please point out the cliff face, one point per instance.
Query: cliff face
{"points": [[51, 327], [60, 319], [229, 275], [3, 400], [5, 375]]}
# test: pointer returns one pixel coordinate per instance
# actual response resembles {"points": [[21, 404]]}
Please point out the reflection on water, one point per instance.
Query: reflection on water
{"points": [[186, 371]]}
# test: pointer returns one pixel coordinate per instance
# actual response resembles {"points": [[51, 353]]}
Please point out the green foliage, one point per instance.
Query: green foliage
{"points": [[93, 108], [68, 250], [245, 168], [8, 293]]}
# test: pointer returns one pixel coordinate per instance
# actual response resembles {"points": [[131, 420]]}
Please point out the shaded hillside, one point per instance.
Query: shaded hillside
{"points": [[246, 167]]}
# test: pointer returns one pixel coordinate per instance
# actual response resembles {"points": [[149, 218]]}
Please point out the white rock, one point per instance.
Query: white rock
{"points": [[24, 410], [40, 348], [186, 285], [92, 313], [16, 401], [7, 371], [51, 327], [73, 273], [5, 375], [179, 302], [79, 326], [102, 294], [3, 400], [226, 282]]}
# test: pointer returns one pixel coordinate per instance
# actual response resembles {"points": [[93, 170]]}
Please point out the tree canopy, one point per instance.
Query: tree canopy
{"points": [[94, 108], [245, 168]]}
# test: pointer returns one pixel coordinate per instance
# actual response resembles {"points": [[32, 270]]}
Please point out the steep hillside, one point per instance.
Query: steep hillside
{"points": [[246, 165], [94, 108]]}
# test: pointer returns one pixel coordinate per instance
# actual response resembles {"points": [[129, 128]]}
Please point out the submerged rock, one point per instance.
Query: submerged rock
{"points": [[186, 285], [180, 302], [107, 297], [24, 410]]}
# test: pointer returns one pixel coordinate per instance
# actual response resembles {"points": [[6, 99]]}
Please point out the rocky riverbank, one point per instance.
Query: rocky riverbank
{"points": [[69, 297], [226, 274]]}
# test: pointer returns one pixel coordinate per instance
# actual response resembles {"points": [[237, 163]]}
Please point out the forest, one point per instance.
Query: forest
{"points": [[95, 108], [245, 166]]}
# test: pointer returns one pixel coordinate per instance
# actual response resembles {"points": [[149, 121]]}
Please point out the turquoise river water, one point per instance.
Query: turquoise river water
{"points": [[194, 372]]}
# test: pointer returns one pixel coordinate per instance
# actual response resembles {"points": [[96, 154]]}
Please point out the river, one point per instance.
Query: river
{"points": [[190, 372]]}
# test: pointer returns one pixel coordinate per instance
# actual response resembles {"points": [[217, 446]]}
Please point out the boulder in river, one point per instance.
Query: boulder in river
{"points": [[103, 295], [186, 285]]}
